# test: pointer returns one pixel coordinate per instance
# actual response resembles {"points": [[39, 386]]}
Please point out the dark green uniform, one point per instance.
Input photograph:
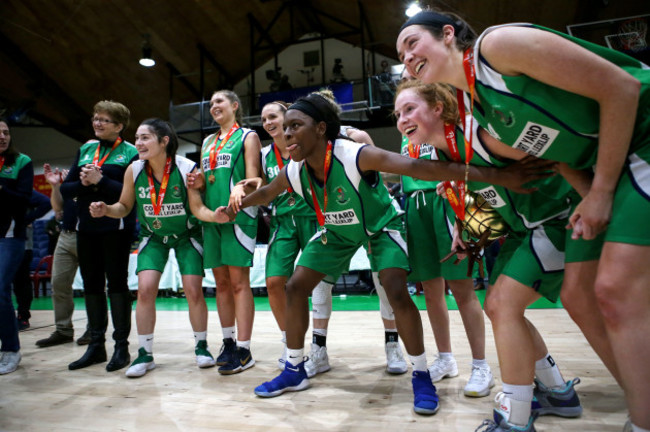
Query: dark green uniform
{"points": [[548, 122], [231, 243], [178, 230]]}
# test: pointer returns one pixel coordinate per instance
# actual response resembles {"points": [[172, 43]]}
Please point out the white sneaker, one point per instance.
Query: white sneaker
{"points": [[443, 369], [395, 363], [141, 365], [480, 382], [283, 360], [204, 358], [318, 361], [9, 362]]}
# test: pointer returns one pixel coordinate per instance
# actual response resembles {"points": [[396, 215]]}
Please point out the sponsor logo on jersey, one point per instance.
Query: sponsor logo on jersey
{"points": [[426, 150], [120, 158], [8, 169], [345, 217], [86, 157], [223, 160], [535, 139], [167, 210], [492, 197], [176, 192], [341, 196]]}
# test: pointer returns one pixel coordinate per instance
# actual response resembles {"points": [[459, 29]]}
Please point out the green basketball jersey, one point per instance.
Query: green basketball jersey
{"points": [[546, 121], [174, 217], [521, 211], [230, 168], [358, 205], [280, 205], [411, 184], [121, 156], [11, 171]]}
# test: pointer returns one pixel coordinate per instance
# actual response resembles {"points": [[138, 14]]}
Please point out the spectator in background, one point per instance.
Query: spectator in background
{"points": [[16, 182], [64, 264], [39, 205]]}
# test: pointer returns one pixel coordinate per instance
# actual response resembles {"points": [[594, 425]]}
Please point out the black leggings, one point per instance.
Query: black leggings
{"points": [[104, 257]]}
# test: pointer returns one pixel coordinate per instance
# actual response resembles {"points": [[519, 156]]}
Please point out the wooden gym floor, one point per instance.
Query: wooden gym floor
{"points": [[356, 395]]}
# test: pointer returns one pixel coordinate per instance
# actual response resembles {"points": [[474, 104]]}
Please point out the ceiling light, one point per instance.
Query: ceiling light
{"points": [[413, 9], [146, 60]]}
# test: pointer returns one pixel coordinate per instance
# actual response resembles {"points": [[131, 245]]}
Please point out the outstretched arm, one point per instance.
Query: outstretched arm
{"points": [[512, 177], [261, 196]]}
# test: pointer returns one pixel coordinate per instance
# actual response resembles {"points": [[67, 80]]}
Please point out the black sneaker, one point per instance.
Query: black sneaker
{"points": [[23, 323], [227, 352], [55, 338], [241, 360]]}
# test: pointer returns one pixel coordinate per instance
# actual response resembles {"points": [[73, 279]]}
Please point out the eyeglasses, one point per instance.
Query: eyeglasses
{"points": [[101, 120]]}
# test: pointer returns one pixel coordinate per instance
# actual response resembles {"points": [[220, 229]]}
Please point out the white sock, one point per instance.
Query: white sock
{"points": [[244, 344], [446, 356], [228, 332], [322, 332], [480, 363], [419, 362], [284, 337], [146, 342], [636, 428], [548, 373], [516, 404], [294, 356], [199, 336]]}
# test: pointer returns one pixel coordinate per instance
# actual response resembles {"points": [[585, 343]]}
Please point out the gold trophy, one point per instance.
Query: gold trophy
{"points": [[482, 226]]}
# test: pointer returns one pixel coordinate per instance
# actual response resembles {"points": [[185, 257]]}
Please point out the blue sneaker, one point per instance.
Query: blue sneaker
{"points": [[499, 424], [292, 378], [563, 403], [425, 399], [227, 350], [239, 362]]}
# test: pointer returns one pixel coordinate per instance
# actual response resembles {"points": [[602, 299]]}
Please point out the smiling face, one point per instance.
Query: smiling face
{"points": [[148, 144], [273, 121], [5, 137], [415, 118], [106, 128], [423, 55], [222, 109], [302, 134]]}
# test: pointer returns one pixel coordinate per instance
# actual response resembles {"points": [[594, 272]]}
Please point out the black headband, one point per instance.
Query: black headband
{"points": [[308, 107], [431, 19]]}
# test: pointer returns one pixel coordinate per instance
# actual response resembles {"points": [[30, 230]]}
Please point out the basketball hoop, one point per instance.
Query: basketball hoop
{"points": [[632, 34]]}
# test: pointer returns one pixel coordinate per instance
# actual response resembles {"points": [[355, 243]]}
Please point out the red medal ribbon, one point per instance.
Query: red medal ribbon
{"points": [[457, 201], [2, 162], [326, 167], [414, 151], [157, 204], [96, 160], [278, 158], [214, 152]]}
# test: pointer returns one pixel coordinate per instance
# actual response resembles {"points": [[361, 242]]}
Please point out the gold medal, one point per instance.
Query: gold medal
{"points": [[156, 224], [323, 238], [291, 201], [212, 178]]}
